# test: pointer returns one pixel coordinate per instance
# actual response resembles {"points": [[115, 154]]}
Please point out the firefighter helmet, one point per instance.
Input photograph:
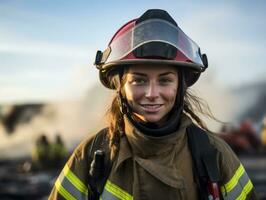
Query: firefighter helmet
{"points": [[154, 38]]}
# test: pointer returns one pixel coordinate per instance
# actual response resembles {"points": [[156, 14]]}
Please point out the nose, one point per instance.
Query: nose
{"points": [[152, 91]]}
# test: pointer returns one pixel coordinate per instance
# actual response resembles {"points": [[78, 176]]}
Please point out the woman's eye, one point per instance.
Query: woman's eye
{"points": [[138, 81], [165, 80]]}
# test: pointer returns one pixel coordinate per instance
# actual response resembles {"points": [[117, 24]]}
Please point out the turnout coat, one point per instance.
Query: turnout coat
{"points": [[150, 168]]}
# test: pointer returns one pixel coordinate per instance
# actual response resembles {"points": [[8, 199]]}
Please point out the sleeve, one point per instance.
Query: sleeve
{"points": [[72, 183], [235, 182]]}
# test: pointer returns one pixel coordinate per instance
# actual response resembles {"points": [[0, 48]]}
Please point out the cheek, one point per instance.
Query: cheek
{"points": [[170, 94], [131, 93]]}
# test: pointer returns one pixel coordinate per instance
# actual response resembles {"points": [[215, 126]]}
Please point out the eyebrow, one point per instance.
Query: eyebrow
{"points": [[142, 74], [166, 73]]}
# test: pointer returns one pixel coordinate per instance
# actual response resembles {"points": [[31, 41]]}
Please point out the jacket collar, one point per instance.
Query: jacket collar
{"points": [[143, 146], [124, 153], [146, 146]]}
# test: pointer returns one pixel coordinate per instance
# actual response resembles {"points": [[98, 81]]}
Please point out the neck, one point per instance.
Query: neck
{"points": [[138, 118], [169, 125]]}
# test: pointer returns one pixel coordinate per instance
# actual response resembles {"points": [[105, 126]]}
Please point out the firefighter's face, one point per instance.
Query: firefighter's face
{"points": [[151, 91]]}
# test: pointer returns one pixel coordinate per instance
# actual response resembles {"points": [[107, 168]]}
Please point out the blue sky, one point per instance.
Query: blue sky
{"points": [[47, 47]]}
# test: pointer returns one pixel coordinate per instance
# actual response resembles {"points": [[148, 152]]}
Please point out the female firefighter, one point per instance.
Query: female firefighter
{"points": [[155, 146]]}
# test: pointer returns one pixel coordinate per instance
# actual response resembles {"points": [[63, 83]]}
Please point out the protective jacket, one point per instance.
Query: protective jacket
{"points": [[153, 168]]}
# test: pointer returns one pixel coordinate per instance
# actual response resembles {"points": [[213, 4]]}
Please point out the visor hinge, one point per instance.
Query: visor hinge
{"points": [[204, 61], [98, 59]]}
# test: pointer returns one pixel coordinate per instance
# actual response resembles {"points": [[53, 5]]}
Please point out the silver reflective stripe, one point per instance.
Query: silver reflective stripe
{"points": [[65, 183], [63, 191], [113, 192], [238, 187], [108, 196], [70, 186]]}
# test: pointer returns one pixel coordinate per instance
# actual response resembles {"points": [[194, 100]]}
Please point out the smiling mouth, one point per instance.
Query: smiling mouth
{"points": [[151, 107]]}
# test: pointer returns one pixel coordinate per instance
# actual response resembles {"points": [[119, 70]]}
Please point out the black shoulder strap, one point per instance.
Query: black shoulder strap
{"points": [[205, 158], [99, 143]]}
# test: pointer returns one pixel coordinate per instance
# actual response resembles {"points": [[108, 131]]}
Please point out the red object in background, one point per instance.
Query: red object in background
{"points": [[243, 139]]}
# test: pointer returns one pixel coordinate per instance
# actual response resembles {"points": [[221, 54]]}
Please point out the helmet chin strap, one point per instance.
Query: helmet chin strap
{"points": [[153, 129], [124, 107]]}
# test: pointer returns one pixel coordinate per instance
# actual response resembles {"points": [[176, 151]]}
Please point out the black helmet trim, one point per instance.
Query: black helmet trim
{"points": [[191, 66], [156, 14], [156, 49]]}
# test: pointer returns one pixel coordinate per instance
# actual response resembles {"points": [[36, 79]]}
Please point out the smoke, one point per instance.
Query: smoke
{"points": [[73, 120], [220, 100]]}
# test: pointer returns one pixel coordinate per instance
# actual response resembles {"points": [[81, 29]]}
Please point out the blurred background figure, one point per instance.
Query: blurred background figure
{"points": [[48, 155], [58, 152], [41, 153]]}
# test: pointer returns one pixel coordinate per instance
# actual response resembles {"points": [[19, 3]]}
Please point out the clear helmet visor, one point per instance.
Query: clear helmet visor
{"points": [[150, 31]]}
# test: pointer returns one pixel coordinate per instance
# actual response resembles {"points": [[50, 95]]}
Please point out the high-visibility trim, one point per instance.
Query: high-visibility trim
{"points": [[108, 196], [63, 191], [234, 180], [113, 192], [75, 180], [248, 187], [70, 186], [239, 185]]}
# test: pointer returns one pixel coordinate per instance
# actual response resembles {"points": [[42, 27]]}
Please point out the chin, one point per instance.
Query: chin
{"points": [[153, 119], [149, 118]]}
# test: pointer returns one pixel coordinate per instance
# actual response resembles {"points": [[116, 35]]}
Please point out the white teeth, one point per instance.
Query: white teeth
{"points": [[151, 106]]}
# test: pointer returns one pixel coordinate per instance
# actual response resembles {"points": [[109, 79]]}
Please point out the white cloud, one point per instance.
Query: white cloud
{"points": [[24, 93], [43, 84], [229, 37], [45, 49]]}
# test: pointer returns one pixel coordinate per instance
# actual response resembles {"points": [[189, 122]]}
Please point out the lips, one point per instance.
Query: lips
{"points": [[151, 108]]}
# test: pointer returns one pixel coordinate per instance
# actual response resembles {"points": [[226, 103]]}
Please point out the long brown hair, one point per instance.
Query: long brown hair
{"points": [[116, 125]]}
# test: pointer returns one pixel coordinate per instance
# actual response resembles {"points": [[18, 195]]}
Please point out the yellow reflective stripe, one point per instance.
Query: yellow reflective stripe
{"points": [[117, 191], [75, 180], [234, 180], [248, 187], [63, 191]]}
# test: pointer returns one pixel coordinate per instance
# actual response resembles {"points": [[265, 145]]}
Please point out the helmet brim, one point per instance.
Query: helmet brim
{"points": [[111, 69]]}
